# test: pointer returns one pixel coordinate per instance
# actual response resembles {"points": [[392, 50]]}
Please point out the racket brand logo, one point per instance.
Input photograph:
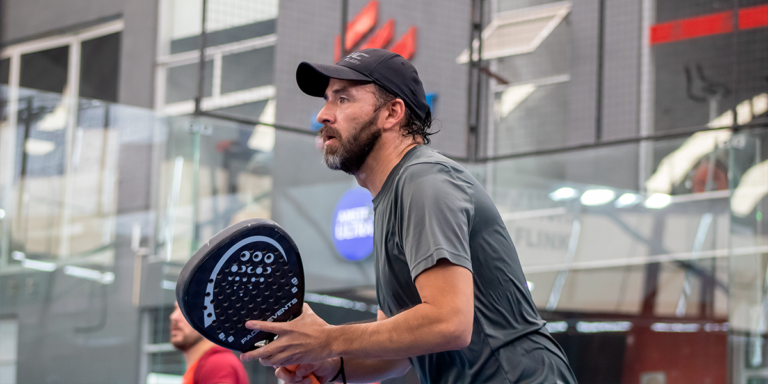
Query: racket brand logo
{"points": [[271, 319], [250, 335], [283, 309]]}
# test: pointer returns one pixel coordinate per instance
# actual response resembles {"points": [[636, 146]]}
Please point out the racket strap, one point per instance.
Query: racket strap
{"points": [[340, 372]]}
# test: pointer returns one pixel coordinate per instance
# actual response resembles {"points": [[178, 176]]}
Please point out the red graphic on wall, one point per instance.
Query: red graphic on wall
{"points": [[707, 25], [363, 23]]}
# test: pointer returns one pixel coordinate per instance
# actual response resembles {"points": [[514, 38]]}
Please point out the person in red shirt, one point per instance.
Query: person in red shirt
{"points": [[207, 363]]}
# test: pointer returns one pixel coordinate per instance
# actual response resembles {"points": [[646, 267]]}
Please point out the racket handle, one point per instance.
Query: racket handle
{"points": [[312, 377]]}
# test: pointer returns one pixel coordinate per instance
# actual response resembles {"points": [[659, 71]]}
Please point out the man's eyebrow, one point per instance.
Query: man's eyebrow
{"points": [[336, 91]]}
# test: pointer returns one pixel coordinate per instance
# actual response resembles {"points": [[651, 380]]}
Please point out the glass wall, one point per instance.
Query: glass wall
{"points": [[634, 284], [625, 151]]}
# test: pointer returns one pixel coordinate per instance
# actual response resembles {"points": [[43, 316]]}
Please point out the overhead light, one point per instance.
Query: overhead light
{"points": [[107, 278], [594, 197], [557, 327], [89, 274], [564, 193], [658, 201], [530, 285], [715, 327], [603, 326], [16, 255], [39, 265], [2, 214], [37, 147], [169, 285], [675, 327], [340, 302], [512, 97], [626, 200]]}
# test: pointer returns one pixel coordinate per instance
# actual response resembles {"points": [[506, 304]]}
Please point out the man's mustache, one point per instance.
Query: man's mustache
{"points": [[330, 130]]}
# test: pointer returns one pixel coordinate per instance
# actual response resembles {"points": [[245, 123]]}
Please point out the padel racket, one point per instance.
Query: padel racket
{"points": [[249, 271]]}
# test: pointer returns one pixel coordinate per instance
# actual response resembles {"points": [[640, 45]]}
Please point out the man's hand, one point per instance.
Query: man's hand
{"points": [[323, 371], [303, 340]]}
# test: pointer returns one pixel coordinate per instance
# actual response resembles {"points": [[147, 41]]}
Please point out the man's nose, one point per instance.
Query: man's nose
{"points": [[325, 116]]}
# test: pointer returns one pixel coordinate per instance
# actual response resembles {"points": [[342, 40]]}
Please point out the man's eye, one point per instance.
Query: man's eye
{"points": [[343, 100]]}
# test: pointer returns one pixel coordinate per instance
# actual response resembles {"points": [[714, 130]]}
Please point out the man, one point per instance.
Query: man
{"points": [[453, 299], [207, 363]]}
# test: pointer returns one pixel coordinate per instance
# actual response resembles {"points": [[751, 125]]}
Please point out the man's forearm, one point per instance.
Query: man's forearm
{"points": [[418, 331]]}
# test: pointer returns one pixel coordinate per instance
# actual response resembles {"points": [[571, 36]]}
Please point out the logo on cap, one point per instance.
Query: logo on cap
{"points": [[355, 57]]}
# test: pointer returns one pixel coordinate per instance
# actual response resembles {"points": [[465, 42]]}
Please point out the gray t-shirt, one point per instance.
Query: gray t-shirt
{"points": [[431, 208]]}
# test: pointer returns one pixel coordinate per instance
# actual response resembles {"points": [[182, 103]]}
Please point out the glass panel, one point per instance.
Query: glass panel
{"points": [[749, 263], [99, 63], [45, 70]]}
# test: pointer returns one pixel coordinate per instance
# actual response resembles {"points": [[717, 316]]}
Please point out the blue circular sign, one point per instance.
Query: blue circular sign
{"points": [[353, 225]]}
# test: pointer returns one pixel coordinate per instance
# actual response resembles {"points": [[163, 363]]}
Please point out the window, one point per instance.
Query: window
{"points": [[240, 53], [5, 68], [99, 67], [45, 70], [518, 31], [44, 64]]}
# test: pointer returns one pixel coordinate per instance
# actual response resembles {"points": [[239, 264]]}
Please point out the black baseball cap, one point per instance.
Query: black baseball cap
{"points": [[379, 66]]}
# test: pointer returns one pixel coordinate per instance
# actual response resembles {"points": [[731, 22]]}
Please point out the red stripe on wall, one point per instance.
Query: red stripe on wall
{"points": [[753, 17], [382, 37], [406, 46], [363, 22], [707, 25]]}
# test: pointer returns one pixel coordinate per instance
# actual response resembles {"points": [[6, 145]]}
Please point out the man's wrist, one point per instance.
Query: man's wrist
{"points": [[332, 344]]}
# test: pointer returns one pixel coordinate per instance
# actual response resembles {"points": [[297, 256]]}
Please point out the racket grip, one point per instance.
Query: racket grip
{"points": [[312, 377]]}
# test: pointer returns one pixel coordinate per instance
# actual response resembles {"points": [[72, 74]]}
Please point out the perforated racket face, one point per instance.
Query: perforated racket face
{"points": [[250, 271]]}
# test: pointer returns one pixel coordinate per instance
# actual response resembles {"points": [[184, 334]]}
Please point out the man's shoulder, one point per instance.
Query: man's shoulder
{"points": [[427, 161], [220, 365], [219, 355]]}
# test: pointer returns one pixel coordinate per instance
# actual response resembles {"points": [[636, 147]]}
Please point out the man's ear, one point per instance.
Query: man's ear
{"points": [[393, 114]]}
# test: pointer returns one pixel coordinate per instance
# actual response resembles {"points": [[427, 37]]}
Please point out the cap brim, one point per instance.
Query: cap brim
{"points": [[313, 78]]}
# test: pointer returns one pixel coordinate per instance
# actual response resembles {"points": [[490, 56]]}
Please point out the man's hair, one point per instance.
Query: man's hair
{"points": [[412, 125]]}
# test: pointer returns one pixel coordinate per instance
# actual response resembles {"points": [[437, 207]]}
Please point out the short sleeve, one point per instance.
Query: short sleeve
{"points": [[220, 368], [436, 210]]}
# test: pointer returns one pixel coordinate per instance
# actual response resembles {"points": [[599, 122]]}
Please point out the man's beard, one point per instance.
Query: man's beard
{"points": [[351, 153], [188, 341]]}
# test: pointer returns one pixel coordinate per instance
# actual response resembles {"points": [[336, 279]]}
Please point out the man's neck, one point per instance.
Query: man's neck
{"points": [[192, 354], [380, 162]]}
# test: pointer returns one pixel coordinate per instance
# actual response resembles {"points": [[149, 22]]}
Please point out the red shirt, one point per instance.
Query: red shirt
{"points": [[216, 366]]}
